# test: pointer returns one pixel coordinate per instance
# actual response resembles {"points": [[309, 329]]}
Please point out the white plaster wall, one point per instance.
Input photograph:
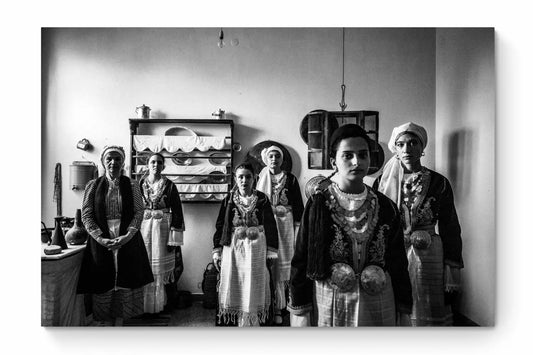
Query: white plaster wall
{"points": [[465, 124], [94, 78]]}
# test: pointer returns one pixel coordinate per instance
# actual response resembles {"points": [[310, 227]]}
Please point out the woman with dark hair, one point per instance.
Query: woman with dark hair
{"points": [[349, 266], [283, 191], [246, 239], [425, 200], [162, 230], [115, 265]]}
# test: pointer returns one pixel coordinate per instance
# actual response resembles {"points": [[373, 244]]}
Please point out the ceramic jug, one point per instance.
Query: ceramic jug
{"points": [[77, 234]]}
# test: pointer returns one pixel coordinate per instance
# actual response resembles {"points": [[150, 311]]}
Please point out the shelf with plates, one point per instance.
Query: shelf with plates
{"points": [[198, 154]]}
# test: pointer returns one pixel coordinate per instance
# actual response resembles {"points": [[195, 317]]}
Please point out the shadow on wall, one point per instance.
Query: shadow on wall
{"points": [[460, 145], [245, 135]]}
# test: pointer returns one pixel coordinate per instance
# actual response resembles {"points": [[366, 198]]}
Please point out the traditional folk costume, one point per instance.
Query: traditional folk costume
{"points": [[245, 237], [349, 265], [162, 226], [285, 197], [425, 199], [114, 278]]}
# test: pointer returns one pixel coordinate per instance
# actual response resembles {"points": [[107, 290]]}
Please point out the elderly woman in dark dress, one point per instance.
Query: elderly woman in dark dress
{"points": [[115, 265], [425, 200]]}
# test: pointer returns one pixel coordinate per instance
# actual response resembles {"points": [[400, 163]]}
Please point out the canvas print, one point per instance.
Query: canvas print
{"points": [[268, 177]]}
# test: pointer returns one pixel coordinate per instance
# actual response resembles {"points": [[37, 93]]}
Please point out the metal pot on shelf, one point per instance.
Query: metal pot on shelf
{"points": [[143, 111]]}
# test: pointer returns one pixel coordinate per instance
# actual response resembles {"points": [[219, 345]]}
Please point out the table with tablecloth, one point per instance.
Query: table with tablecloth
{"points": [[60, 305]]}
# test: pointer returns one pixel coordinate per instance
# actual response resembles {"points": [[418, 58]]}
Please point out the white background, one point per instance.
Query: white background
{"points": [[20, 103]]}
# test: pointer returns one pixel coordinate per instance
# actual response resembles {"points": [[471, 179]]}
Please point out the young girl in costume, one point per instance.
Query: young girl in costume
{"points": [[349, 260], [246, 239]]}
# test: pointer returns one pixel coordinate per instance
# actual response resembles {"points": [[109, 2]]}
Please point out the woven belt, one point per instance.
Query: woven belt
{"points": [[281, 210], [156, 214]]}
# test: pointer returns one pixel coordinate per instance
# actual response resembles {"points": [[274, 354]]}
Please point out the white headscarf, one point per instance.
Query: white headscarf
{"points": [[392, 176], [264, 183], [112, 148]]}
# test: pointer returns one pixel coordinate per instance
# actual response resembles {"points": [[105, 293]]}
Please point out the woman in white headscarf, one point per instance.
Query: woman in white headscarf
{"points": [[425, 200], [115, 265], [284, 194]]}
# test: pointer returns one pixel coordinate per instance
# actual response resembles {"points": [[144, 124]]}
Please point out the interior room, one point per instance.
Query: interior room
{"points": [[266, 80]]}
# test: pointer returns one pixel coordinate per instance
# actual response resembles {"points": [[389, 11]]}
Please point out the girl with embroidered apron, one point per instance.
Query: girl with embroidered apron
{"points": [[115, 265], [425, 200], [283, 191], [245, 241], [162, 230], [349, 267]]}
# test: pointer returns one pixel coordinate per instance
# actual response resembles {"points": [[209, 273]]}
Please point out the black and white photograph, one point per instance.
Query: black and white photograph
{"points": [[266, 177], [269, 177]]}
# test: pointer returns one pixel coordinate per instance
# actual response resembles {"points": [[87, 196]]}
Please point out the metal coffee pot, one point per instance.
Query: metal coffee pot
{"points": [[143, 111]]}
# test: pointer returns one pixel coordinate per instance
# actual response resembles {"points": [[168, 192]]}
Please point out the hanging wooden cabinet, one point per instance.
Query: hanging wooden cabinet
{"points": [[198, 155], [318, 126]]}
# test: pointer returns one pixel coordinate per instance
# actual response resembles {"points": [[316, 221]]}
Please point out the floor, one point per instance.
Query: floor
{"points": [[198, 316], [193, 316]]}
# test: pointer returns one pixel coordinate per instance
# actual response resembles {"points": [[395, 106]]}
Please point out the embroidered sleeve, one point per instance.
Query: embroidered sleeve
{"points": [[269, 223], [177, 222], [175, 238], [449, 228], [452, 279], [87, 210], [138, 208], [296, 200], [301, 287]]}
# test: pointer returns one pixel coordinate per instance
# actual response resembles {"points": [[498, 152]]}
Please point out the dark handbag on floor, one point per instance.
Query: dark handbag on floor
{"points": [[209, 286]]}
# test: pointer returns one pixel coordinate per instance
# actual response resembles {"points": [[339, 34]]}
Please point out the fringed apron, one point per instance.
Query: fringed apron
{"points": [[244, 293], [155, 230]]}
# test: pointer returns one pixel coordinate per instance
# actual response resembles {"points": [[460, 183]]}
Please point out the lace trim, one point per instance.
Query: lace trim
{"points": [[173, 144]]}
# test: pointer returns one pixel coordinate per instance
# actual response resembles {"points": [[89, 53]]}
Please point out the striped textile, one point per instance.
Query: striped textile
{"points": [[155, 230], [282, 266], [244, 292], [426, 271], [122, 303], [355, 308]]}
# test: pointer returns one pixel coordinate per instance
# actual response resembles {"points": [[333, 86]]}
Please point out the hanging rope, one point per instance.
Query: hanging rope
{"points": [[342, 104], [57, 188]]}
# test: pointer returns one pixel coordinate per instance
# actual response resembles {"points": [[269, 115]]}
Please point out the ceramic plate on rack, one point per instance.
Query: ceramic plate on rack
{"points": [[181, 159], [179, 131], [142, 158], [218, 159], [216, 177], [220, 196]]}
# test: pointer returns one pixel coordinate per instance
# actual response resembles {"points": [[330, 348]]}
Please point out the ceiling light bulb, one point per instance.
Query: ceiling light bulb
{"points": [[221, 39]]}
